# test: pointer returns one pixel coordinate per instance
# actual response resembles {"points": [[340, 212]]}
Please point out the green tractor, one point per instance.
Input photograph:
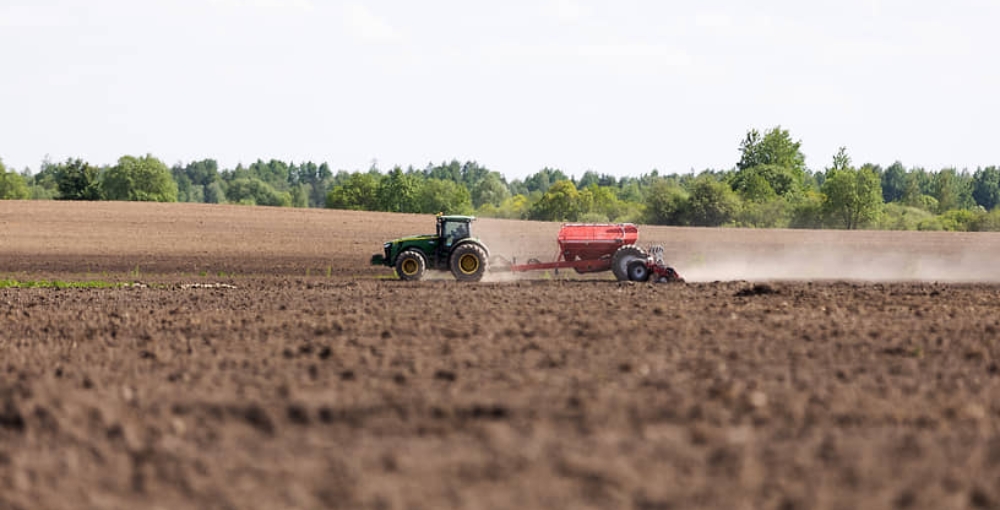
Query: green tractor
{"points": [[452, 248]]}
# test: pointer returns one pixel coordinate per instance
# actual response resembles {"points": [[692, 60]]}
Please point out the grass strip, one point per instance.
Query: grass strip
{"points": [[58, 284]]}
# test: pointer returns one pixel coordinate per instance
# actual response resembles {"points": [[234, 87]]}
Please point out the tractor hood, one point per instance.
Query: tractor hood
{"points": [[418, 237]]}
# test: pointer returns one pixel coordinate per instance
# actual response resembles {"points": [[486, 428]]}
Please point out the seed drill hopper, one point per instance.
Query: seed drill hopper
{"points": [[596, 247]]}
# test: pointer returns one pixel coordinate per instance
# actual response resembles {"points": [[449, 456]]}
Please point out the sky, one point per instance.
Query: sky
{"points": [[617, 87]]}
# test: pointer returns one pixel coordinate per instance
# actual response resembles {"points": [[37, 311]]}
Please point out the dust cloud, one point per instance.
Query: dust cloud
{"points": [[747, 254], [836, 264]]}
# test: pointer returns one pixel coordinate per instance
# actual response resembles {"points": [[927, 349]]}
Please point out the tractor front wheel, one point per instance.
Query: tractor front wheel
{"points": [[410, 265], [469, 262]]}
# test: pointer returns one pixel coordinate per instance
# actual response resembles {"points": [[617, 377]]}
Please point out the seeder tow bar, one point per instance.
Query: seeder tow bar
{"points": [[596, 247]]}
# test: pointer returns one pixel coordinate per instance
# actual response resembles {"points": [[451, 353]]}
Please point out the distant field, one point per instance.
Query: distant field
{"points": [[190, 239]]}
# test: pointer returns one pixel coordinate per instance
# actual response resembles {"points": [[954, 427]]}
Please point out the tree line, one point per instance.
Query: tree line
{"points": [[769, 187]]}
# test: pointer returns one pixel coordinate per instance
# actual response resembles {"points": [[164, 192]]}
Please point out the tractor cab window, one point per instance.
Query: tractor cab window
{"points": [[455, 231]]}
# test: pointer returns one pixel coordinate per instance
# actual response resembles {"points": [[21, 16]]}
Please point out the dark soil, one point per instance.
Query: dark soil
{"points": [[343, 391]]}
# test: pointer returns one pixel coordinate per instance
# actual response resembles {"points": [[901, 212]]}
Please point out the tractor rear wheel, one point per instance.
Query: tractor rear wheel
{"points": [[469, 262], [622, 257], [638, 271], [410, 265]]}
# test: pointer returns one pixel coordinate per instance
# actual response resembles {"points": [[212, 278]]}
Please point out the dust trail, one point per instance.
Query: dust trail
{"points": [[841, 264]]}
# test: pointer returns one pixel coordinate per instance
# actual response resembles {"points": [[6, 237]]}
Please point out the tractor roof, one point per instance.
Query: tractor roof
{"points": [[456, 218]]}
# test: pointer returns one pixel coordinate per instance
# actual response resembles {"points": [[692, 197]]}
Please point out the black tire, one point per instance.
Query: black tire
{"points": [[410, 265], [622, 257], [638, 271], [469, 262]]}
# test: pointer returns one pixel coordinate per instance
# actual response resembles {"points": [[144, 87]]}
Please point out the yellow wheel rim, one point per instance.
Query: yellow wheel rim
{"points": [[468, 263], [410, 267]]}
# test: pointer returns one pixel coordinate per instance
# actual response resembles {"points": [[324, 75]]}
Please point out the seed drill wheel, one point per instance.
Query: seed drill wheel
{"points": [[410, 265], [638, 271], [622, 257], [469, 262]]}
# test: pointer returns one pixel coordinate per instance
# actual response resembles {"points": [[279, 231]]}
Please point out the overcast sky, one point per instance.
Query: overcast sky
{"points": [[618, 87]]}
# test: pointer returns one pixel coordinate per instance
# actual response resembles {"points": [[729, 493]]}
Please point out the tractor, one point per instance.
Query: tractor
{"points": [[451, 248]]}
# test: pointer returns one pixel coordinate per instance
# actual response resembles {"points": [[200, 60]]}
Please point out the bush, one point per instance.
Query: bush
{"points": [[630, 212], [931, 224], [144, 179], [358, 192], [439, 196], [959, 220], [514, 208], [901, 217], [214, 194], [769, 214], [712, 203], [593, 217], [77, 180], [925, 202], [666, 203], [561, 202], [12, 185], [807, 211], [253, 191], [988, 222]]}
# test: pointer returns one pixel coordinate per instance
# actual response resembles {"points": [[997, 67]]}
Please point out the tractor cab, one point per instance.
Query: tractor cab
{"points": [[452, 229]]}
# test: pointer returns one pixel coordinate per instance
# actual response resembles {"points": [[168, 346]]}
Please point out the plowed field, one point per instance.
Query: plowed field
{"points": [[259, 362]]}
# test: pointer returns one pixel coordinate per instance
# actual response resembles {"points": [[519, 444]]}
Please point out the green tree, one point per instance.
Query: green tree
{"points": [[193, 180], [397, 192], [275, 173], [515, 207], [442, 196], [853, 197], [543, 179], [603, 201], [201, 173], [359, 192], [42, 185], [185, 189], [253, 191], [451, 171], [300, 195], [77, 180], [144, 179], [489, 190], [986, 187], [561, 202], [807, 210], [214, 193], [712, 203], [317, 180], [12, 185], [894, 183], [472, 173], [841, 160], [764, 182], [666, 203], [952, 190], [781, 158], [772, 213]]}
